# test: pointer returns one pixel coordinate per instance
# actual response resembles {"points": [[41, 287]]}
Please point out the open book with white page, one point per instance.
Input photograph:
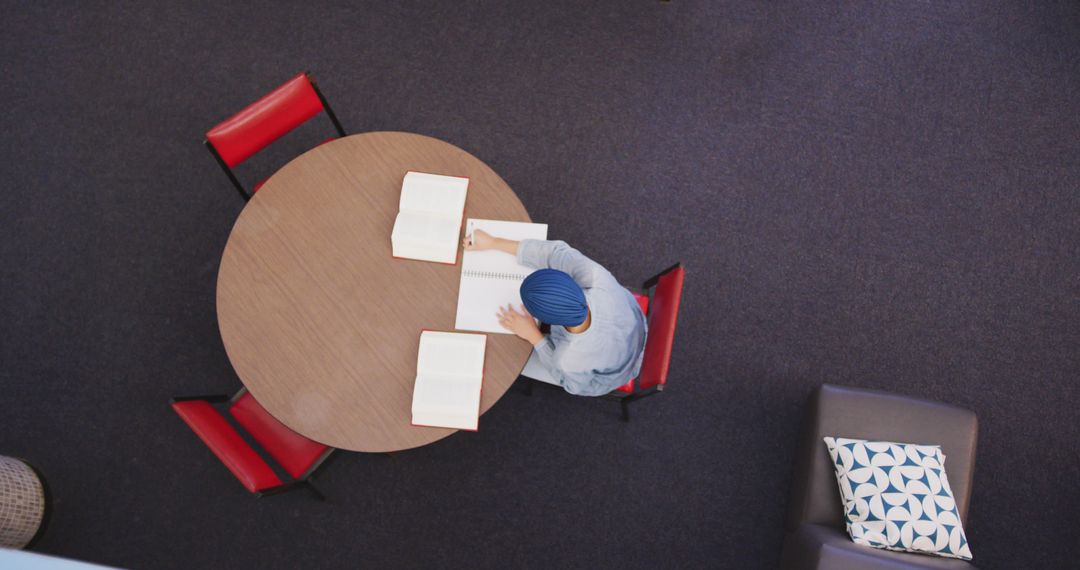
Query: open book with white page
{"points": [[449, 376], [429, 217], [490, 278]]}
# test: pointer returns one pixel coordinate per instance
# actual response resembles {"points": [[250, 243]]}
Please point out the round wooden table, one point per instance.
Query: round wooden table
{"points": [[321, 323]]}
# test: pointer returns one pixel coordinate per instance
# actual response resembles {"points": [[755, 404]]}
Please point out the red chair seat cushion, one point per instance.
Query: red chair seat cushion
{"points": [[291, 450], [226, 443], [627, 388]]}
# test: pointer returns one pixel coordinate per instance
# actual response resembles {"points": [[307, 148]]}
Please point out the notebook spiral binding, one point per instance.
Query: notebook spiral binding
{"points": [[493, 275]]}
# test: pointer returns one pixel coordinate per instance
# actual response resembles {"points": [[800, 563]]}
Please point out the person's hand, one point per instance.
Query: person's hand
{"points": [[520, 323], [478, 240]]}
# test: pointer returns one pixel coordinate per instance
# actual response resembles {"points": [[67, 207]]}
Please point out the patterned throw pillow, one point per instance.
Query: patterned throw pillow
{"points": [[896, 497]]}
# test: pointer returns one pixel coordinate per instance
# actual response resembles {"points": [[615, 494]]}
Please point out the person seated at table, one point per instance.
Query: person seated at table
{"points": [[597, 333]]}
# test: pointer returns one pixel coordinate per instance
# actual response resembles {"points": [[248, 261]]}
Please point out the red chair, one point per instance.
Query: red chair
{"points": [[660, 303], [263, 122], [296, 454]]}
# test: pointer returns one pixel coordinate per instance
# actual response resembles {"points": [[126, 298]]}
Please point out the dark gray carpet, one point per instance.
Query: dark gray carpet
{"points": [[880, 195]]}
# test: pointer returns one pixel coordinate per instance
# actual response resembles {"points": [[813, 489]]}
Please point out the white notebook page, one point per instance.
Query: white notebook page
{"points": [[491, 279]]}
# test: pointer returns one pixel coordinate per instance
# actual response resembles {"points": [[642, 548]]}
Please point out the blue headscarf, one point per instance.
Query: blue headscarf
{"points": [[553, 297]]}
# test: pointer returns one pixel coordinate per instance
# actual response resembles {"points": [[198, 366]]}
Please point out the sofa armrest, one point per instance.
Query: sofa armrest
{"points": [[816, 547]]}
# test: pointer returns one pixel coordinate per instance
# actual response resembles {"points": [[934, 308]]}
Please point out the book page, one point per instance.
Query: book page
{"points": [[425, 229], [446, 401], [446, 394], [434, 194], [451, 354]]}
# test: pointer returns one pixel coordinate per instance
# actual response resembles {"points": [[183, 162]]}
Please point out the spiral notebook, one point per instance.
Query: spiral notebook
{"points": [[491, 279]]}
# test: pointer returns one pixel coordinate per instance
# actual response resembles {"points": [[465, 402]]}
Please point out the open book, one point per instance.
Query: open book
{"points": [[428, 223], [491, 279], [449, 374]]}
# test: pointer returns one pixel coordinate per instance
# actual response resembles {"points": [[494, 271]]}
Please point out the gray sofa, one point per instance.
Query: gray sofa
{"points": [[815, 537]]}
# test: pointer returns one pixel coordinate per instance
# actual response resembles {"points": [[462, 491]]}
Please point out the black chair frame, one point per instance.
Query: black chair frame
{"points": [[229, 172]]}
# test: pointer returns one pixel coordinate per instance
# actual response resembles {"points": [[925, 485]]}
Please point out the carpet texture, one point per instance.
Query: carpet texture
{"points": [[883, 195]]}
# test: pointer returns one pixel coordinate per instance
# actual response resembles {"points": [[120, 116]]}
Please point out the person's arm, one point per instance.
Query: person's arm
{"points": [[539, 254], [545, 254], [520, 323], [480, 240]]}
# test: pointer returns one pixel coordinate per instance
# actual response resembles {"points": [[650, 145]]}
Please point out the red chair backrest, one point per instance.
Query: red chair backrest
{"points": [[663, 315], [226, 443], [296, 453], [265, 120]]}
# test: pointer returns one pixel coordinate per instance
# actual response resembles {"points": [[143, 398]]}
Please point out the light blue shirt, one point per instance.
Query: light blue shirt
{"points": [[608, 353]]}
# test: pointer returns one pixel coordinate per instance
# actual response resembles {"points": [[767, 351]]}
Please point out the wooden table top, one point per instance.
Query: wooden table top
{"points": [[321, 323]]}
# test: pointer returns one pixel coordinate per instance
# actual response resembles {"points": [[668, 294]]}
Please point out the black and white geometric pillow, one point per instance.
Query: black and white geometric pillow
{"points": [[896, 496]]}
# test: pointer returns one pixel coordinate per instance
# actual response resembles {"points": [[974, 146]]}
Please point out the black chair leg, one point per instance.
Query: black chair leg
{"points": [[314, 491], [625, 409]]}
